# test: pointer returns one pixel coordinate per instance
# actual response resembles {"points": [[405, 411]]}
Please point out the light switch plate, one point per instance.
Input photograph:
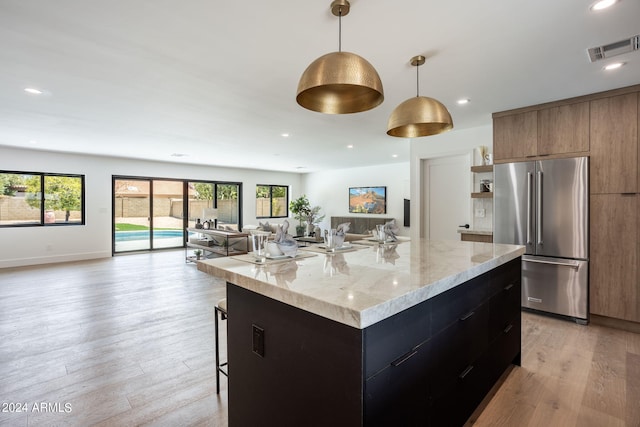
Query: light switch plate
{"points": [[480, 213]]}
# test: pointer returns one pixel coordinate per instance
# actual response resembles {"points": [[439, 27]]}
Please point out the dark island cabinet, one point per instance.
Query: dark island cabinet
{"points": [[475, 336], [429, 365]]}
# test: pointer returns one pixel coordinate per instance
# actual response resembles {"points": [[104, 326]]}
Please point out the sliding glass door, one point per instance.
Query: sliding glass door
{"points": [[152, 213], [132, 214], [168, 217], [228, 204], [201, 204]]}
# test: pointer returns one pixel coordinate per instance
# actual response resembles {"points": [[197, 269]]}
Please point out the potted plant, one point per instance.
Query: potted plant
{"points": [[300, 208], [303, 212], [313, 218], [197, 253]]}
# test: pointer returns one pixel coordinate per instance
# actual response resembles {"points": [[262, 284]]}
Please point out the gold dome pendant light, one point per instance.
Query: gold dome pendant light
{"points": [[340, 82], [419, 116]]}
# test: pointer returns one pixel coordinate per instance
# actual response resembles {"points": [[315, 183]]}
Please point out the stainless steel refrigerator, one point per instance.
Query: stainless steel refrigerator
{"points": [[544, 205]]}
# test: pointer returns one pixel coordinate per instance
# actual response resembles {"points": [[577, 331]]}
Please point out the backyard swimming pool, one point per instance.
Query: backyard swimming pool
{"points": [[126, 236]]}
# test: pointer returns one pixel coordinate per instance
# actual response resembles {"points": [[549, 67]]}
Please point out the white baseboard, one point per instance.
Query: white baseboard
{"points": [[22, 262]]}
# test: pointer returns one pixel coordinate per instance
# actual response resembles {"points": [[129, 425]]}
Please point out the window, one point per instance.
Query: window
{"points": [[228, 205], [33, 199], [272, 201], [225, 208]]}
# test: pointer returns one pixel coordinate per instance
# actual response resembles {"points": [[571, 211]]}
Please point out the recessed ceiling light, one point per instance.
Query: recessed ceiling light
{"points": [[614, 66], [284, 135], [602, 4], [33, 91], [394, 155], [463, 101], [350, 146]]}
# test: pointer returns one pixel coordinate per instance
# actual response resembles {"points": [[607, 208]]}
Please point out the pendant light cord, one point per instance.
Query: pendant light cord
{"points": [[417, 82], [340, 30]]}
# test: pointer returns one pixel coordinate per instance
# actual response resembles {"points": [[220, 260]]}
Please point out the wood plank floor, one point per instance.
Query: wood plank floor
{"points": [[128, 341]]}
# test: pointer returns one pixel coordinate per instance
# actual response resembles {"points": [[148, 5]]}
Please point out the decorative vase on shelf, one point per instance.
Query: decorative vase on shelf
{"points": [[483, 150], [300, 230]]}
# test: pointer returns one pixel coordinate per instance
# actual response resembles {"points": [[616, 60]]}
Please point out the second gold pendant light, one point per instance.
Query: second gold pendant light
{"points": [[419, 116], [343, 83], [340, 82]]}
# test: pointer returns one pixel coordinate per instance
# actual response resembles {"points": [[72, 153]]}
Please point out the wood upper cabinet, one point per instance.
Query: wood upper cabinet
{"points": [[615, 247], [614, 145], [548, 131], [515, 136], [563, 129]]}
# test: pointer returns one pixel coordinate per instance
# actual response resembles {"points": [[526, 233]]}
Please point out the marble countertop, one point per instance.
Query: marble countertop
{"points": [[364, 286]]}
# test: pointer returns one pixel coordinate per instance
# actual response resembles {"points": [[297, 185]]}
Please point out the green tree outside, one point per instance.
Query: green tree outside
{"points": [[204, 191], [8, 181], [61, 193], [227, 191]]}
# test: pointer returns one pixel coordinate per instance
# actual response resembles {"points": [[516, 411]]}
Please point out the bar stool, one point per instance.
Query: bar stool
{"points": [[220, 309]]}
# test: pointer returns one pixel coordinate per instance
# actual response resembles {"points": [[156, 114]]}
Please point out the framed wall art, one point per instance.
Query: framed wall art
{"points": [[368, 200]]}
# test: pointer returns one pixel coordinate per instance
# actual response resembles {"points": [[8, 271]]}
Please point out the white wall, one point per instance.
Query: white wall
{"points": [[38, 245], [447, 144], [330, 190]]}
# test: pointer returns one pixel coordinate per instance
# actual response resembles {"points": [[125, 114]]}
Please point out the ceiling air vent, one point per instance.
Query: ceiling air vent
{"points": [[614, 49]]}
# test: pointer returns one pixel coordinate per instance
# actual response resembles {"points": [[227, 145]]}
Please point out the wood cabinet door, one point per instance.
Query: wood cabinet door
{"points": [[515, 136], [614, 144], [563, 129], [614, 287]]}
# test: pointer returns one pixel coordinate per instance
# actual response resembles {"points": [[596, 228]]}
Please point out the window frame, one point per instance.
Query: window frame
{"points": [[43, 194], [185, 208], [271, 187]]}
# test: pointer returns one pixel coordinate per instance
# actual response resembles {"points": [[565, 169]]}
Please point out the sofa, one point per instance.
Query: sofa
{"points": [[272, 227], [359, 227]]}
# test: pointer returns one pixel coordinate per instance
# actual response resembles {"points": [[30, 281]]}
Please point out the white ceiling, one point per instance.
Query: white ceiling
{"points": [[217, 81]]}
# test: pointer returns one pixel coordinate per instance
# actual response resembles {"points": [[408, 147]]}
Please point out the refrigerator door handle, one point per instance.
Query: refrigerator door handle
{"points": [[529, 207], [539, 209], [562, 264]]}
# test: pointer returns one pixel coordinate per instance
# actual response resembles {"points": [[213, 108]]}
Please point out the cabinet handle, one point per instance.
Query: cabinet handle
{"points": [[508, 287], [508, 328], [465, 372], [466, 316], [572, 264], [404, 358]]}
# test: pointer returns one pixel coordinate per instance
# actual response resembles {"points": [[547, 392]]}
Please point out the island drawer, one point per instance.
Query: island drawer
{"points": [[396, 336], [456, 400], [504, 308], [457, 303], [506, 275], [399, 394], [505, 349], [459, 345]]}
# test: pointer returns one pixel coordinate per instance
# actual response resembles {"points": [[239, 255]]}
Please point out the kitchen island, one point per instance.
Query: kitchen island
{"points": [[409, 334]]}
